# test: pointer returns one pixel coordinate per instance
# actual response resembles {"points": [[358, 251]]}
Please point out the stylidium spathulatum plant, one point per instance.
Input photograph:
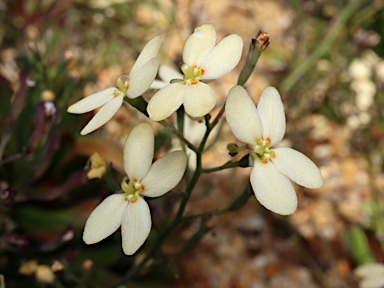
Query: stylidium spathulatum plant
{"points": [[260, 129]]}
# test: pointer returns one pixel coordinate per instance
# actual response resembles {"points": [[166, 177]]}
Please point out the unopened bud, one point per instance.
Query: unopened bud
{"points": [[47, 96], [232, 149], [257, 46], [45, 275], [87, 265], [97, 167], [28, 268], [57, 266], [262, 39]]}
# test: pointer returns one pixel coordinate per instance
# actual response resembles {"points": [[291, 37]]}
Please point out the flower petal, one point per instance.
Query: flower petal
{"points": [[273, 190], [198, 99], [92, 102], [149, 52], [369, 270], [271, 111], [194, 130], [105, 219], [199, 44], [164, 174], [166, 101], [167, 73], [158, 84], [297, 167], [377, 281], [135, 226], [242, 116], [103, 115], [223, 58], [138, 152], [141, 79]]}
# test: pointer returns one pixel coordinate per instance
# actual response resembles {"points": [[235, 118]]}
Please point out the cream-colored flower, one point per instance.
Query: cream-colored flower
{"points": [[372, 275], [203, 61], [133, 85], [261, 129], [129, 209]]}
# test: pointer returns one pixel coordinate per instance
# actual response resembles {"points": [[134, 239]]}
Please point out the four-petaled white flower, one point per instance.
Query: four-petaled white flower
{"points": [[203, 61], [372, 275], [129, 209], [133, 85], [261, 129]]}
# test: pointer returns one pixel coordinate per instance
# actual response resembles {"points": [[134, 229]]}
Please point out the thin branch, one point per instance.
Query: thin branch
{"points": [[227, 165]]}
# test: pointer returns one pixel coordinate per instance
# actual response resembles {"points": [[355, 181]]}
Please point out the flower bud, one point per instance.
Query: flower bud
{"points": [[97, 167], [28, 268], [232, 149], [45, 275], [257, 46]]}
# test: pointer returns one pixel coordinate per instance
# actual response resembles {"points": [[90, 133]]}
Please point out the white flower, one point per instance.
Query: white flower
{"points": [[133, 85], [129, 209], [261, 129], [372, 275], [203, 61], [166, 74]]}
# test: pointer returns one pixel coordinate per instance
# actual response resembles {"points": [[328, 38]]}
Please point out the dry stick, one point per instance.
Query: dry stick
{"points": [[322, 48]]}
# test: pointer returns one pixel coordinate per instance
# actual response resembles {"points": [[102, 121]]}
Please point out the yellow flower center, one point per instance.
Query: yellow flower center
{"points": [[122, 82], [261, 150], [192, 75], [133, 189]]}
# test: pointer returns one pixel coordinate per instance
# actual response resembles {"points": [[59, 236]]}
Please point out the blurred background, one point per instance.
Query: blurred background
{"points": [[325, 58]]}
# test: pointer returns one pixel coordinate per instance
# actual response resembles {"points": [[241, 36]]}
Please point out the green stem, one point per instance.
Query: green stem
{"points": [[239, 202], [227, 165], [180, 119], [179, 135], [323, 48], [196, 238], [180, 124], [217, 118], [139, 103]]}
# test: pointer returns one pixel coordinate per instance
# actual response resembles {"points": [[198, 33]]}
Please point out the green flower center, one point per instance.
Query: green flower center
{"points": [[122, 82], [192, 75], [261, 150], [132, 189]]}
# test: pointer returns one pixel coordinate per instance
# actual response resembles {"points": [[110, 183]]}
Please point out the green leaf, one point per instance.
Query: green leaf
{"points": [[359, 246]]}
